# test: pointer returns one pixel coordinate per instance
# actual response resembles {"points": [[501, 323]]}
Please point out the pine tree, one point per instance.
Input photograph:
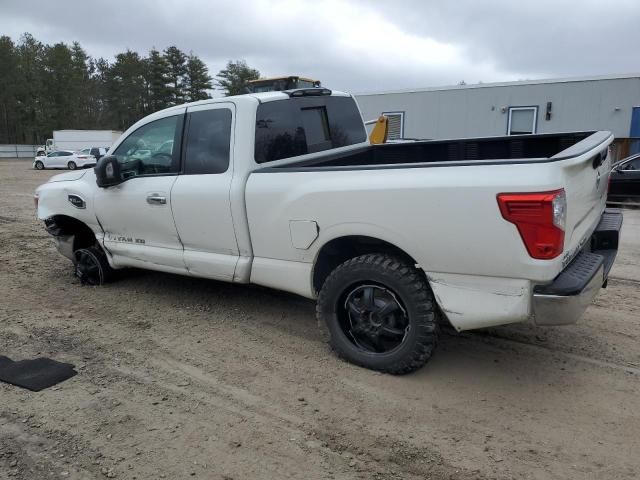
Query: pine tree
{"points": [[47, 87], [177, 62], [30, 98], [59, 93], [9, 87], [197, 81], [161, 91], [233, 79], [99, 75], [80, 86], [126, 92]]}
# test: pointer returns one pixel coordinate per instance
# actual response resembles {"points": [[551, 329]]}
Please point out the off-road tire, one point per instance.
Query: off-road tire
{"points": [[72, 165], [100, 271], [411, 288], [39, 165]]}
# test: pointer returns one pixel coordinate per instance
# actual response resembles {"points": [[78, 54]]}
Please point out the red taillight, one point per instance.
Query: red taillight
{"points": [[540, 219]]}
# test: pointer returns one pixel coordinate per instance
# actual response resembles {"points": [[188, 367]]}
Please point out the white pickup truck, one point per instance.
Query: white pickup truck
{"points": [[283, 189]]}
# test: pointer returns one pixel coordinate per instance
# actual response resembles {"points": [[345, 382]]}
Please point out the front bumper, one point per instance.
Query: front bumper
{"points": [[64, 245], [563, 301]]}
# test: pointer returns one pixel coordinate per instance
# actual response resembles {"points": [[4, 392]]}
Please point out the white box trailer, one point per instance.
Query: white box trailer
{"points": [[79, 139]]}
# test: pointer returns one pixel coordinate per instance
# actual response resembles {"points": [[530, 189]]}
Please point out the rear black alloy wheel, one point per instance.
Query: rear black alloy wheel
{"points": [[72, 165], [373, 318], [380, 313], [92, 266], [39, 165]]}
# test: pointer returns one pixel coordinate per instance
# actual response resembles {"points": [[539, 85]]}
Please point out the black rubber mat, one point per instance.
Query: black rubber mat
{"points": [[34, 375]]}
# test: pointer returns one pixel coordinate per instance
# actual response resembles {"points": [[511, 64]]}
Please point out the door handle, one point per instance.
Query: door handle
{"points": [[155, 199]]}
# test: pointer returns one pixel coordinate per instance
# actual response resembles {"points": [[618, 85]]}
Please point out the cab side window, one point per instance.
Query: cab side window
{"points": [[152, 149], [207, 142]]}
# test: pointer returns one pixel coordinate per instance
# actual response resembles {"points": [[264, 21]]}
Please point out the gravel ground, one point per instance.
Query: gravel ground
{"points": [[187, 378]]}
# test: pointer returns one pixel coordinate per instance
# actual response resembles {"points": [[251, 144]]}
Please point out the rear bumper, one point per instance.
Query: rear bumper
{"points": [[563, 301]]}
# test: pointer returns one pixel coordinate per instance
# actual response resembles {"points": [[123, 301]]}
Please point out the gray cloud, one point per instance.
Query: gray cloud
{"points": [[546, 37], [357, 45]]}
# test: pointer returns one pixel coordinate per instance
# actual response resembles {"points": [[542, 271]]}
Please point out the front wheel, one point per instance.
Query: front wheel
{"points": [[39, 165], [92, 266], [380, 313], [72, 165]]}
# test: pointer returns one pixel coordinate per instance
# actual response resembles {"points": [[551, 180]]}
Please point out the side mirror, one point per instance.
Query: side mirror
{"points": [[108, 172]]}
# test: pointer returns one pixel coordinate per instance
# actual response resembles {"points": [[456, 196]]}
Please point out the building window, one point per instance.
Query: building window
{"points": [[522, 120], [395, 125]]}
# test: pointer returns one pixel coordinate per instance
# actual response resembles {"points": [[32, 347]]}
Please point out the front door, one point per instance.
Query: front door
{"points": [[51, 161], [57, 160], [201, 195], [136, 215]]}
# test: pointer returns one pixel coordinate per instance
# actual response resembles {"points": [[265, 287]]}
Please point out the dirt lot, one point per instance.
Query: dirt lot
{"points": [[186, 378]]}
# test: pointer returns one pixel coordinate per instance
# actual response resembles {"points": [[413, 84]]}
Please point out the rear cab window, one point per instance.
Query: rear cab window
{"points": [[301, 125]]}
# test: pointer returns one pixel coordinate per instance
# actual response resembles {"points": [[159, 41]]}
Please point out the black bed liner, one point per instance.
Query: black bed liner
{"points": [[471, 151]]}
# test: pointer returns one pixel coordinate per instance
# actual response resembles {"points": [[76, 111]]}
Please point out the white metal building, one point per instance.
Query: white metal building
{"points": [[490, 109]]}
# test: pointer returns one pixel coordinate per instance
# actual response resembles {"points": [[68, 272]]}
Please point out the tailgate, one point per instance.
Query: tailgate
{"points": [[585, 174]]}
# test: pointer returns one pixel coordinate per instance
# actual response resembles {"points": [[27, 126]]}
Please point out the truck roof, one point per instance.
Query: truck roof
{"points": [[86, 130], [248, 97]]}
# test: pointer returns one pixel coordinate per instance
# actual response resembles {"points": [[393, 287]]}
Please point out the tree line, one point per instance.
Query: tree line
{"points": [[52, 87]]}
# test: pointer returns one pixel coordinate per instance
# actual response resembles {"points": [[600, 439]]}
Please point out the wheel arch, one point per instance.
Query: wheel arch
{"points": [[67, 226], [340, 249]]}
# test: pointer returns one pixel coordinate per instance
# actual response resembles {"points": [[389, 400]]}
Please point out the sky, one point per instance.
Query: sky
{"points": [[355, 45]]}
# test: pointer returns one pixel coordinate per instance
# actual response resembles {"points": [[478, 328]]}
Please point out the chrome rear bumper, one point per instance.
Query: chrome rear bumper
{"points": [[566, 309], [564, 300]]}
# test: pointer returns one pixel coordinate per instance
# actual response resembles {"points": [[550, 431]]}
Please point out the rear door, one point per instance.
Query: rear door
{"points": [[59, 159], [65, 158], [52, 160], [136, 215], [201, 195]]}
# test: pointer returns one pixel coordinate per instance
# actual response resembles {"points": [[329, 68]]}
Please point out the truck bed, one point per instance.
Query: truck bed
{"points": [[447, 217], [511, 149]]}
